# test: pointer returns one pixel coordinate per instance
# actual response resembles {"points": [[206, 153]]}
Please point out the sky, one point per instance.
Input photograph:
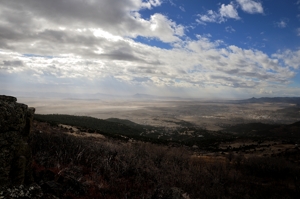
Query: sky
{"points": [[183, 48]]}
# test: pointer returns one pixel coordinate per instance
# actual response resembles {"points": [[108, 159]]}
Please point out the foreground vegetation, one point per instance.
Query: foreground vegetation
{"points": [[186, 134], [69, 166]]}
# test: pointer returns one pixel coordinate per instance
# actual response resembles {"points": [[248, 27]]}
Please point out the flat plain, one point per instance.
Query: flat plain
{"points": [[210, 115]]}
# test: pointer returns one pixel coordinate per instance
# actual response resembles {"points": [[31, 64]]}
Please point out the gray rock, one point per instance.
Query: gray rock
{"points": [[15, 153]]}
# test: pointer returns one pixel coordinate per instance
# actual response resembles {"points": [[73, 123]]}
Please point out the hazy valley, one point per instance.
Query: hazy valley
{"points": [[211, 115], [164, 148]]}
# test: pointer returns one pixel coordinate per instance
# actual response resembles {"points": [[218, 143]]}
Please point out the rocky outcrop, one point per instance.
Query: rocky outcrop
{"points": [[15, 153]]}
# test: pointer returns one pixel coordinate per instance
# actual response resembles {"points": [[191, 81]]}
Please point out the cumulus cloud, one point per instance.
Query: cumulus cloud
{"points": [[211, 16], [72, 42], [118, 18], [224, 12], [251, 6], [290, 58], [164, 29], [151, 3], [228, 11]]}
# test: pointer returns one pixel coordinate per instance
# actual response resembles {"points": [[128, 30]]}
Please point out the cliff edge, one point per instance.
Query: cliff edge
{"points": [[15, 153]]}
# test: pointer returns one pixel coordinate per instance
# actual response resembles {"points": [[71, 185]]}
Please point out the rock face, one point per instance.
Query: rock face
{"points": [[15, 153]]}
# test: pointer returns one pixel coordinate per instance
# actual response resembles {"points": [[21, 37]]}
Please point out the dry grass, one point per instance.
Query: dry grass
{"points": [[114, 169]]}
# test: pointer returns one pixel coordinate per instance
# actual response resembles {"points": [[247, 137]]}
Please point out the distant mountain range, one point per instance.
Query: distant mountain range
{"points": [[292, 100], [141, 96], [146, 96], [84, 96]]}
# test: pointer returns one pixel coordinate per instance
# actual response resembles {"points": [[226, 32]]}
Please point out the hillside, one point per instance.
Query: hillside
{"points": [[124, 129], [74, 166], [78, 157], [105, 126]]}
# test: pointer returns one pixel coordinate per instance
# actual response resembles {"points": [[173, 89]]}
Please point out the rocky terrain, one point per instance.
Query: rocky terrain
{"points": [[15, 154], [63, 156]]}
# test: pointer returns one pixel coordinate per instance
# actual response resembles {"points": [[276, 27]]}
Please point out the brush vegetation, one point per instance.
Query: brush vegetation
{"points": [[90, 167]]}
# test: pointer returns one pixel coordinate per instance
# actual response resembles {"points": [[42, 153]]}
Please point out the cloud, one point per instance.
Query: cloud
{"points": [[228, 11], [81, 44], [196, 63], [229, 29], [151, 3], [211, 16], [182, 8], [12, 63], [224, 12], [251, 6], [298, 31], [172, 3], [118, 18], [282, 23], [163, 28], [290, 58]]}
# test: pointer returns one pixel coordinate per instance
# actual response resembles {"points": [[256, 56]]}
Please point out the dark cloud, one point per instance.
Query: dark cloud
{"points": [[54, 39], [214, 58], [13, 63], [233, 82], [75, 12], [141, 79], [121, 55]]}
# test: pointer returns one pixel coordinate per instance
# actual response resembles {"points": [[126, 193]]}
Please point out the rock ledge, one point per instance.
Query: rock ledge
{"points": [[15, 153]]}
